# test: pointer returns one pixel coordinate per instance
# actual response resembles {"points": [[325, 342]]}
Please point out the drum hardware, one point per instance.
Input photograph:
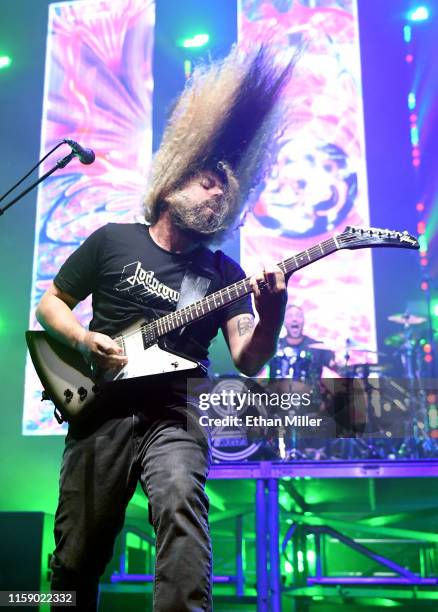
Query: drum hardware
{"points": [[294, 368], [410, 441], [416, 442]]}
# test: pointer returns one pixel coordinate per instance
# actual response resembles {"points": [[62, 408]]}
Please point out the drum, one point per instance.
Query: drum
{"points": [[292, 364], [296, 373]]}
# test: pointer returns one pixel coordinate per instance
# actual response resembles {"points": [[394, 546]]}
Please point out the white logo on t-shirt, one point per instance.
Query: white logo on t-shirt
{"points": [[140, 283]]}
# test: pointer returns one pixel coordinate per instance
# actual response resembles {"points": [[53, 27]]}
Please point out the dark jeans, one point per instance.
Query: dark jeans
{"points": [[99, 474]]}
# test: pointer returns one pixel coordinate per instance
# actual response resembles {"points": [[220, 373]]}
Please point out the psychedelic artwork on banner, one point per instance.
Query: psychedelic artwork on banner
{"points": [[318, 183], [98, 91]]}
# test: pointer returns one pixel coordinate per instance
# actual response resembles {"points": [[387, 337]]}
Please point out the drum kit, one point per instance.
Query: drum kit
{"points": [[393, 422]]}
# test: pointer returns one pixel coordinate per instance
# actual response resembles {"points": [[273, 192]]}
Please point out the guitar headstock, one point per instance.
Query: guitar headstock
{"points": [[359, 237]]}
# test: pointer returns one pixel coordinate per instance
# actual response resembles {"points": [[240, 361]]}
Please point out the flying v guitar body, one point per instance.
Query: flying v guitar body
{"points": [[72, 384]]}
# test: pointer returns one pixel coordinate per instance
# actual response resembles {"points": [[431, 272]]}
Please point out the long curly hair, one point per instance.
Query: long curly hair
{"points": [[228, 116]]}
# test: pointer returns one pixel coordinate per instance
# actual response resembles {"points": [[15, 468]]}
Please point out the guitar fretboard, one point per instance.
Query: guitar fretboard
{"points": [[174, 320]]}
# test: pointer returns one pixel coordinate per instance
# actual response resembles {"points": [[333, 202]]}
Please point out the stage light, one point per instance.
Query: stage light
{"points": [[435, 309], [383, 602], [412, 100], [407, 33], [187, 68], [311, 556], [421, 227], [415, 138], [300, 561], [420, 13], [5, 61], [199, 40]]}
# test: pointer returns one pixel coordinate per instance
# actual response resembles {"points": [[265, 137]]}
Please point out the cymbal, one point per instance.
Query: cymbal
{"points": [[352, 347], [355, 345], [372, 367], [406, 319], [360, 348], [400, 340], [320, 346]]}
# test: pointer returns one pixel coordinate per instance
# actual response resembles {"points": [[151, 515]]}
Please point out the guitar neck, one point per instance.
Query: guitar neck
{"points": [[179, 318]]}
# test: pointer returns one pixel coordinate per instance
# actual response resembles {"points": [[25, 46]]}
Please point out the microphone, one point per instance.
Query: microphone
{"points": [[85, 156]]}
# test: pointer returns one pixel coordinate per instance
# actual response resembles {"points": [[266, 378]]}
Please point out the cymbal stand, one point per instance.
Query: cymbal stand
{"points": [[417, 442], [357, 447]]}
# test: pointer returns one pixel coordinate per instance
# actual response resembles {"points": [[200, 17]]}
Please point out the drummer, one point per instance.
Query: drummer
{"points": [[295, 357]]}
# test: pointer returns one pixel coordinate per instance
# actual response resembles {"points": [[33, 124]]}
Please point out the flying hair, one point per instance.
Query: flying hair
{"points": [[228, 118]]}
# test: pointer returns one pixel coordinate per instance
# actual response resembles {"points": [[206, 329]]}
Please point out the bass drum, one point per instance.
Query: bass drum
{"points": [[237, 443], [295, 372]]}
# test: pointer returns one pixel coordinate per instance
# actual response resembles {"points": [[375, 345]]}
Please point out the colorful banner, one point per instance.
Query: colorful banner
{"points": [[318, 183], [98, 91]]}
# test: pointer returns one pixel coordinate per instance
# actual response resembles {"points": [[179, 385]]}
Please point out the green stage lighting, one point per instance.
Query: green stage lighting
{"points": [[5, 61]]}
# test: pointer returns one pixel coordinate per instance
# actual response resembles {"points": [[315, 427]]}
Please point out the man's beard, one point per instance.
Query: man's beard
{"points": [[201, 221]]}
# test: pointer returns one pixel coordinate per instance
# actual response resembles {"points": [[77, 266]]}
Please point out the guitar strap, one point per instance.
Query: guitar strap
{"points": [[197, 279]]}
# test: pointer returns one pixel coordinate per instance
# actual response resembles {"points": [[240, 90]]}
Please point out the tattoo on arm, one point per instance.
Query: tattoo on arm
{"points": [[245, 325]]}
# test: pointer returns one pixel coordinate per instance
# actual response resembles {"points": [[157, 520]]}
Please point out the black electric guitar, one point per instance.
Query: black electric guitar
{"points": [[70, 382]]}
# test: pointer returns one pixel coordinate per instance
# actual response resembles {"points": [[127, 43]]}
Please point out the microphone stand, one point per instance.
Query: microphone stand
{"points": [[61, 163]]}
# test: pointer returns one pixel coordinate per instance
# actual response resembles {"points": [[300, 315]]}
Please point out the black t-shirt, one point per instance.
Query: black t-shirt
{"points": [[130, 277]]}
